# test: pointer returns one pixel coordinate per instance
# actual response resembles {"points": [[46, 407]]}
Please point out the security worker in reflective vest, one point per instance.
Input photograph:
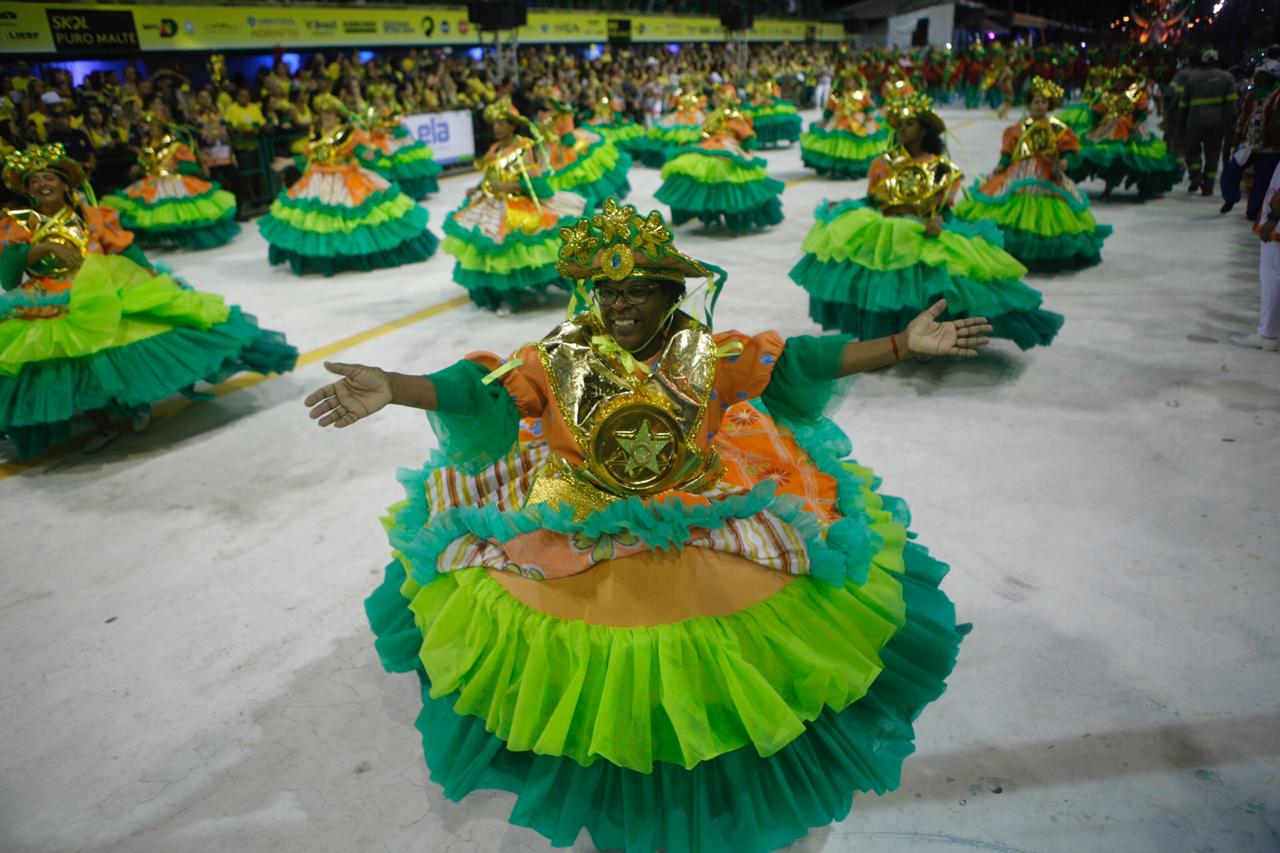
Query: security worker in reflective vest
{"points": [[1205, 109]]}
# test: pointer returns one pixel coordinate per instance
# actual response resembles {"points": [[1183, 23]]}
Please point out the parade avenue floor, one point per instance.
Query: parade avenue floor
{"points": [[187, 665]]}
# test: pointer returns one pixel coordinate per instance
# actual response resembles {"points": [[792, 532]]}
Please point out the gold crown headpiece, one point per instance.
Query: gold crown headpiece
{"points": [[501, 110], [618, 244], [918, 106], [41, 158], [329, 103], [1046, 89]]}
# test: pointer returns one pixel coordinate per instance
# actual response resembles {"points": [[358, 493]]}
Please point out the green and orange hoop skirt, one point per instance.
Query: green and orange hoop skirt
{"points": [[869, 275], [1046, 224], [401, 159], [176, 211], [337, 218], [117, 337], [731, 721], [774, 123], [718, 183]]}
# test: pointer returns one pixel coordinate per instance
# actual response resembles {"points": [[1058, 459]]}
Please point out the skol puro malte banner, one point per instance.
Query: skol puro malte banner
{"points": [[29, 28]]}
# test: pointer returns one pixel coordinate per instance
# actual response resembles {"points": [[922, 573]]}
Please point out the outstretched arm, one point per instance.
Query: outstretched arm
{"points": [[923, 336], [363, 390]]}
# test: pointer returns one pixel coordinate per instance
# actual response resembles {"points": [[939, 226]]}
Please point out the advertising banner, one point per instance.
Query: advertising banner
{"points": [[116, 30], [449, 134]]}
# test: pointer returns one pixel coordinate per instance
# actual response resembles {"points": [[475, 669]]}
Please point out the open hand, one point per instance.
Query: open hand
{"points": [[926, 336], [361, 392]]}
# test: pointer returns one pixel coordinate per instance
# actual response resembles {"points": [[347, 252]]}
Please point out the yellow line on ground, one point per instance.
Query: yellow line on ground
{"points": [[244, 380], [800, 180]]}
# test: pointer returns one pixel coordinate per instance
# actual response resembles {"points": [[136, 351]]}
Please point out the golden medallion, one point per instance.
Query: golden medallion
{"points": [[638, 448]]}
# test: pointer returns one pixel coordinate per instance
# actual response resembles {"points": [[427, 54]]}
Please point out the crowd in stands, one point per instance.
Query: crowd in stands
{"points": [[240, 123]]}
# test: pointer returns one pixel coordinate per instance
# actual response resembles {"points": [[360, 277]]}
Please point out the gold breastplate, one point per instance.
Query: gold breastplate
{"points": [[328, 149], [64, 228], [1038, 139], [918, 188], [506, 166], [638, 435], [157, 159]]}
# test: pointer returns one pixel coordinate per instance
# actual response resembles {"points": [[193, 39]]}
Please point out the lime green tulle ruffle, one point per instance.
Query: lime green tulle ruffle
{"points": [[1078, 117], [411, 167], [855, 232], [776, 124], [841, 154], [200, 222], [114, 302], [1041, 231], [659, 144], [599, 174]]}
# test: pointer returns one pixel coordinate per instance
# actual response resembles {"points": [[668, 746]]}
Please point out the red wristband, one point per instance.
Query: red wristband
{"points": [[893, 342]]}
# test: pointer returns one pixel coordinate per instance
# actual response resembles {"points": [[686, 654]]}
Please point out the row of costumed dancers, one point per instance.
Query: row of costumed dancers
{"points": [[643, 585]]}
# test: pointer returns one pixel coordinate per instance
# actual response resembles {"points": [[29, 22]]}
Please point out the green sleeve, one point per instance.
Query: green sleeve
{"points": [[1005, 160], [189, 167], [13, 260], [805, 381], [476, 424], [541, 189], [133, 253]]}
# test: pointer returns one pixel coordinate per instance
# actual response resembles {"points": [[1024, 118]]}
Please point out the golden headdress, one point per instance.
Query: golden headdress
{"points": [[329, 103], [1046, 89], [918, 106], [501, 110], [41, 158], [618, 244]]}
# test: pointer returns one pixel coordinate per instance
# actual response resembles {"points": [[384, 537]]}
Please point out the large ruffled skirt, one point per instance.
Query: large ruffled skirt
{"points": [[342, 217], [1139, 160], [623, 134], [506, 249], [597, 172], [869, 275], [841, 153], [721, 186], [661, 141], [1078, 117], [404, 161], [775, 124], [123, 338], [677, 695], [1047, 226], [176, 211]]}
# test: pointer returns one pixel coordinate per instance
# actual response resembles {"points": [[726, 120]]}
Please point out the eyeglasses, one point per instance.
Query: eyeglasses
{"points": [[637, 295]]}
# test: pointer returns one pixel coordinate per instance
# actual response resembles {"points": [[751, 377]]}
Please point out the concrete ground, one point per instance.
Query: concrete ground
{"points": [[187, 665]]}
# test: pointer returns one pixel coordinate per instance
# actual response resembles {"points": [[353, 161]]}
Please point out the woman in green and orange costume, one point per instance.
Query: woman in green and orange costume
{"points": [[642, 585], [872, 264], [848, 139], [170, 206], [1044, 217], [338, 216], [610, 121], [775, 120], [384, 146], [1119, 149], [678, 128], [577, 159], [505, 234], [87, 326], [718, 182]]}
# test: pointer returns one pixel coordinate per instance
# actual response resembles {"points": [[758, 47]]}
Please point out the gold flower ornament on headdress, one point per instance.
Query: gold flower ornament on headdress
{"points": [[19, 165], [1046, 89], [618, 243]]}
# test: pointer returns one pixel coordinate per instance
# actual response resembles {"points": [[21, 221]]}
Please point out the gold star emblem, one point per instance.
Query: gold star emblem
{"points": [[642, 448], [651, 234], [614, 222], [579, 242]]}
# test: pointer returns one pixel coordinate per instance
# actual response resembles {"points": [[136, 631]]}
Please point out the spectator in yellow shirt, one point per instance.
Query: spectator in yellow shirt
{"points": [[244, 115]]}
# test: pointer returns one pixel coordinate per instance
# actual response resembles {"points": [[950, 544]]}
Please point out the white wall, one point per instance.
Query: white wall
{"points": [[941, 21]]}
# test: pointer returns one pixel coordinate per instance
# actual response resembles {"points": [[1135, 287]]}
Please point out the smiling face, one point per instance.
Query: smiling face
{"points": [[635, 326], [47, 189]]}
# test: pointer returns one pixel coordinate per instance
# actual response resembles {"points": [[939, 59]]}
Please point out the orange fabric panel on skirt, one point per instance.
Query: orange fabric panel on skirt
{"points": [[650, 588]]}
